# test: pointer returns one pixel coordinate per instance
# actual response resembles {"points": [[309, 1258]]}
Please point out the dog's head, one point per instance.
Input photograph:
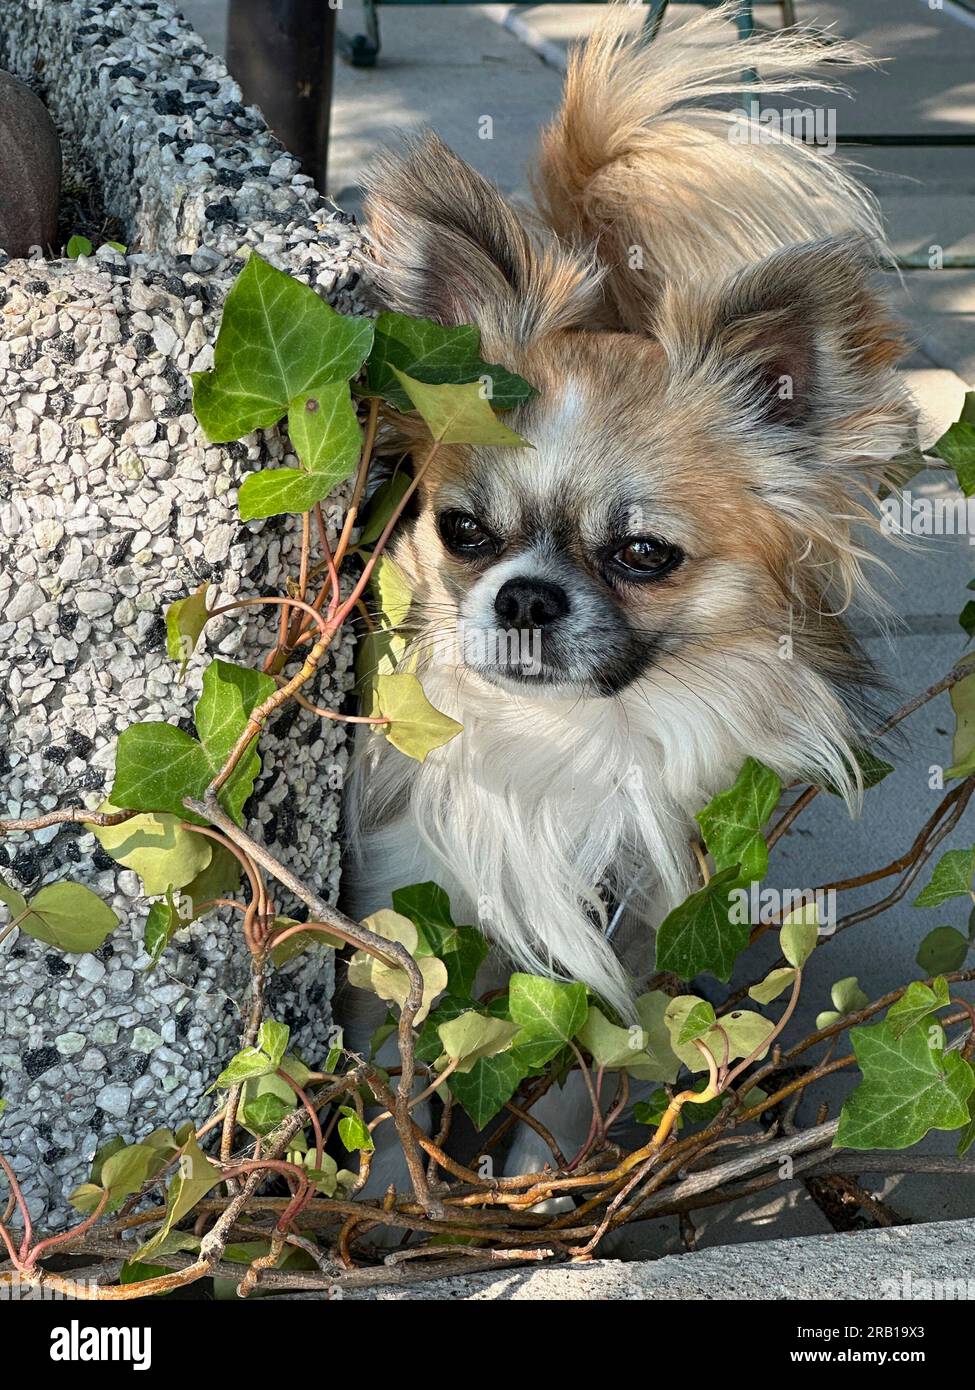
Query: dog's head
{"points": [[691, 489]]}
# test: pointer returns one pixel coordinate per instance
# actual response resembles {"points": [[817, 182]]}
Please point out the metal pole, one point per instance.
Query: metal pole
{"points": [[281, 53]]}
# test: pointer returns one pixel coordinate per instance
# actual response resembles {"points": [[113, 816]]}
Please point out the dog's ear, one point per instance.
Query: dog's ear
{"points": [[803, 346], [447, 246]]}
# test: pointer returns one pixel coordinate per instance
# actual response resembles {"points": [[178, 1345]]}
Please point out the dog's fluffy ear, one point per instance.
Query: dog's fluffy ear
{"points": [[793, 362], [803, 346], [447, 246]]}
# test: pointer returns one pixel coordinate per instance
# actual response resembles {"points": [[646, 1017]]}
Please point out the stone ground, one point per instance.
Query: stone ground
{"points": [[448, 68], [929, 1263]]}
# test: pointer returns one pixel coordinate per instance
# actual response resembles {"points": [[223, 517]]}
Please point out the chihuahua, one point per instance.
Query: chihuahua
{"points": [[692, 299]]}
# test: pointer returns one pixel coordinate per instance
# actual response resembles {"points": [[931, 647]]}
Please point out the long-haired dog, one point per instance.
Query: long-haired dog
{"points": [[716, 389]]}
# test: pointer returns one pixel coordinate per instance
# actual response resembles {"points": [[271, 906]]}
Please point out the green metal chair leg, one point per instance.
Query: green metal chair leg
{"points": [[656, 10], [361, 50]]}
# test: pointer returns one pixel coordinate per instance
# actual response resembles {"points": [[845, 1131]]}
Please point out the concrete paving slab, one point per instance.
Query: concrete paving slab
{"points": [[940, 306], [925, 228], [913, 169], [903, 1263]]}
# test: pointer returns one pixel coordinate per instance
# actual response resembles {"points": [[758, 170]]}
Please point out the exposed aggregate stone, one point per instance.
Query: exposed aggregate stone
{"points": [[112, 505]]}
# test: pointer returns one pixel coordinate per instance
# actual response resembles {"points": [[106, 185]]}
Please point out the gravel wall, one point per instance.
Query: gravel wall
{"points": [[112, 505]]}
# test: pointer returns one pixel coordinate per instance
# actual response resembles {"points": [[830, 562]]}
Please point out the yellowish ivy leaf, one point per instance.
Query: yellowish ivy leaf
{"points": [[415, 726], [459, 414], [157, 848]]}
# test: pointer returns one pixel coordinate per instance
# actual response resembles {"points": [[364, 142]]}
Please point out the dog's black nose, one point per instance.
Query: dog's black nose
{"points": [[525, 603]]}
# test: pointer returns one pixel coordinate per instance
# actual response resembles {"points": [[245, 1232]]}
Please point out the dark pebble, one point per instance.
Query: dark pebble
{"points": [[37, 1060]]}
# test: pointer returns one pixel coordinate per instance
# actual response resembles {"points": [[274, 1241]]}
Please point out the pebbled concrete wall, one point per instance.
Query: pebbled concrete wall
{"points": [[112, 505]]}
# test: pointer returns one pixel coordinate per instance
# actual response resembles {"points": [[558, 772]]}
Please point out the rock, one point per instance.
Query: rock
{"points": [[30, 169], [115, 1100], [23, 602]]}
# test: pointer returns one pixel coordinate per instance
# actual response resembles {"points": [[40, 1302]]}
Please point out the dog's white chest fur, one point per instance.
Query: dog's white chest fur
{"points": [[540, 810]]}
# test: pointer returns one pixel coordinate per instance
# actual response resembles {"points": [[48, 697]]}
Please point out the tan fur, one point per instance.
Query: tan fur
{"points": [[639, 163]]}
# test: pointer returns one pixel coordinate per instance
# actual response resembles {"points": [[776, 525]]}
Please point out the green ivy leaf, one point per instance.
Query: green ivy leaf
{"points": [[246, 1065], [952, 878], [220, 879], [391, 982], [185, 620], [138, 1271], [966, 619], [963, 744], [70, 917], [263, 1060], [195, 1176], [15, 902], [732, 823], [459, 414], [262, 1111], [488, 1086], [462, 949], [301, 941], [661, 1062], [472, 1035], [943, 949], [957, 447], [549, 1014], [799, 934], [610, 1046], [78, 246], [745, 1032], [701, 934], [696, 1022], [121, 1173], [158, 765], [162, 924], [772, 986], [393, 595], [327, 439], [915, 1004], [438, 356], [335, 1052], [872, 770], [908, 1088], [382, 505], [415, 727], [267, 1099], [353, 1131], [847, 997], [272, 1038], [278, 342], [156, 847], [491, 1081]]}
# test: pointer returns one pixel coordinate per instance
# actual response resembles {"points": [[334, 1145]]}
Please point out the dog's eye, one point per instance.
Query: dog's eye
{"points": [[644, 557], [464, 534]]}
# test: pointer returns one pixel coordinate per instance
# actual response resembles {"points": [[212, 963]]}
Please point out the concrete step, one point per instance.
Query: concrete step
{"points": [[902, 1263]]}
